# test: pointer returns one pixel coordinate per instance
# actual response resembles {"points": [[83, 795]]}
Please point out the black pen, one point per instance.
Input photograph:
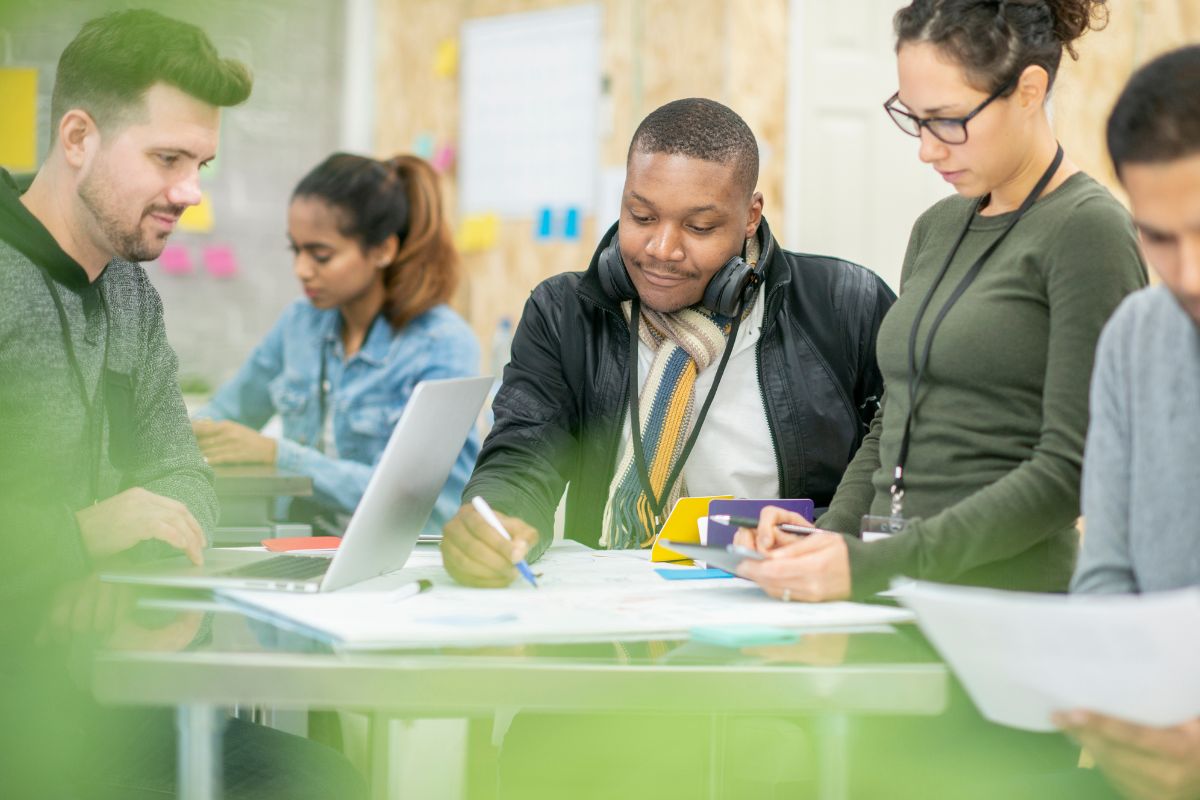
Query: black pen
{"points": [[751, 522]]}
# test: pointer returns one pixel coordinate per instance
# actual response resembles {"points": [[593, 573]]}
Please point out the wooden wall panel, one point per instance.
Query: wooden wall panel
{"points": [[653, 51], [734, 51], [1137, 31]]}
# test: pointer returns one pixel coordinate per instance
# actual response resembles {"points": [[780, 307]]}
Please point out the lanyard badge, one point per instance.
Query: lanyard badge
{"points": [[875, 526]]}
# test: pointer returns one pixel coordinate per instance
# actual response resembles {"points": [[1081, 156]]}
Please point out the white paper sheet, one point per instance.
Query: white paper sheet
{"points": [[1023, 656], [584, 595], [530, 94]]}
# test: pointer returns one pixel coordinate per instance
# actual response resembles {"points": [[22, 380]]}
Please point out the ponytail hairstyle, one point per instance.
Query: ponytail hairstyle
{"points": [[401, 197], [995, 40]]}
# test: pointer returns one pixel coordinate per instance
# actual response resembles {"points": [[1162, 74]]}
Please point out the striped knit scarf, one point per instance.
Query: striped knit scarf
{"points": [[685, 343]]}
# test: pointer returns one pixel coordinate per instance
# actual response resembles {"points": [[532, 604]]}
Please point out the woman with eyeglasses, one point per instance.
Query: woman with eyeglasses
{"points": [[971, 470]]}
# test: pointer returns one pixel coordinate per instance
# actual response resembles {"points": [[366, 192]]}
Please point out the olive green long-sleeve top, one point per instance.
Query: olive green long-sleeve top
{"points": [[993, 471]]}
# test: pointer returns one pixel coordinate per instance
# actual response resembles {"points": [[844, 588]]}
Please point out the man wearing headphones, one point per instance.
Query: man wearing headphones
{"points": [[755, 368]]}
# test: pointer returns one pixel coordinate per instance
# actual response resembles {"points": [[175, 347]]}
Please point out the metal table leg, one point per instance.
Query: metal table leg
{"points": [[833, 776], [717, 744], [199, 751], [380, 755]]}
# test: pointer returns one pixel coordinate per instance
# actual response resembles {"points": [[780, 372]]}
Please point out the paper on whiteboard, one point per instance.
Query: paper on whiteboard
{"points": [[530, 94], [583, 596], [1024, 656]]}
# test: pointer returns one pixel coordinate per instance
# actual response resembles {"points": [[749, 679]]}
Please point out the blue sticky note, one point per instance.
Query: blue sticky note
{"points": [[689, 574], [571, 224], [423, 145], [545, 224]]}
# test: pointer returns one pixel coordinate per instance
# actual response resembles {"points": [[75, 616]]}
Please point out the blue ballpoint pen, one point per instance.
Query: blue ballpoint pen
{"points": [[490, 518]]}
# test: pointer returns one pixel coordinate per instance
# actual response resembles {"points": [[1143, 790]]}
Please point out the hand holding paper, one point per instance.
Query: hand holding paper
{"points": [[1141, 761], [1023, 657]]}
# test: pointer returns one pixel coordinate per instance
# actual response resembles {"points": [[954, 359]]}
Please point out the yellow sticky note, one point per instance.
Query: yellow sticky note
{"points": [[18, 133], [683, 525], [198, 218], [477, 232], [489, 231], [445, 61]]}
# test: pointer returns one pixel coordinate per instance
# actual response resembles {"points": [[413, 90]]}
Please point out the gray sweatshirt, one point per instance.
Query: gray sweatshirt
{"points": [[1141, 470], [89, 401]]}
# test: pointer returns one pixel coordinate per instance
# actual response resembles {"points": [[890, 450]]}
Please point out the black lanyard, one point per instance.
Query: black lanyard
{"points": [[917, 371], [639, 455]]}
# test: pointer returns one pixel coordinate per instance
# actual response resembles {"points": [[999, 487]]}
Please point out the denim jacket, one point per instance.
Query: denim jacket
{"points": [[367, 394]]}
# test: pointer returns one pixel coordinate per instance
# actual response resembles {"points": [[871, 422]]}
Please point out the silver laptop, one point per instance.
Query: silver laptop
{"points": [[384, 528]]}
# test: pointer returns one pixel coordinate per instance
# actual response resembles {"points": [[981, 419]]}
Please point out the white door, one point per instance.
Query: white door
{"points": [[854, 186]]}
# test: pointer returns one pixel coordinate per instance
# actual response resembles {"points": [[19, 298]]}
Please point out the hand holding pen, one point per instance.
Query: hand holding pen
{"points": [[490, 517], [774, 528]]}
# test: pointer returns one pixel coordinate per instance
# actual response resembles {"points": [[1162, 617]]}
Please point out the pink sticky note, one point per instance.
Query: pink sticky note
{"points": [[220, 261], [443, 159], [175, 260]]}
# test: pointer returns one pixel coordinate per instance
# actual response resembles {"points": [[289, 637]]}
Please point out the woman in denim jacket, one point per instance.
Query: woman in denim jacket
{"points": [[374, 254]]}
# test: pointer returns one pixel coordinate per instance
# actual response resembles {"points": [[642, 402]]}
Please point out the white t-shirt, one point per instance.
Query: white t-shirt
{"points": [[734, 453]]}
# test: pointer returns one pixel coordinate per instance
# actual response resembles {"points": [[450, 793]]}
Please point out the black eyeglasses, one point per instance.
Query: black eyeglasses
{"points": [[951, 130]]}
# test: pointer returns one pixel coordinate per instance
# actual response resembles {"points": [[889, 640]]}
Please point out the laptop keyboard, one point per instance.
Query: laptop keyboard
{"points": [[290, 567]]}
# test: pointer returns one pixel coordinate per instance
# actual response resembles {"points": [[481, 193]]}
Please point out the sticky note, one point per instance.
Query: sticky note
{"points": [[445, 60], [477, 232], [423, 145], [544, 227], [220, 261], [571, 224], [18, 134], [692, 574], [443, 159], [175, 260], [198, 218]]}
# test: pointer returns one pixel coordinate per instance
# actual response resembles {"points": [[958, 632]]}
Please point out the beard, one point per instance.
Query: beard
{"points": [[128, 242]]}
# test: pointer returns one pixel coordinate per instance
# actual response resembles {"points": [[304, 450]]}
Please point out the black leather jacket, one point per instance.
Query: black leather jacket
{"points": [[560, 411]]}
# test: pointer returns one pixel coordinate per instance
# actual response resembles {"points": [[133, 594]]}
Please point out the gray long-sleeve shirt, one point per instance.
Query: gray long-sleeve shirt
{"points": [[1141, 472], [85, 412]]}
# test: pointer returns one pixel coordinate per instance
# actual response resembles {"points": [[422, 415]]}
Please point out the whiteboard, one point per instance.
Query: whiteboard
{"points": [[530, 94]]}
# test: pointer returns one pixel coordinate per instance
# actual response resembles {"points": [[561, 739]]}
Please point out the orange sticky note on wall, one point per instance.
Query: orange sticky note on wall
{"points": [[18, 133], [683, 525]]}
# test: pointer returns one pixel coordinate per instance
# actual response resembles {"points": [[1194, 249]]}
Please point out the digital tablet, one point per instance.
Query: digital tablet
{"points": [[725, 557]]}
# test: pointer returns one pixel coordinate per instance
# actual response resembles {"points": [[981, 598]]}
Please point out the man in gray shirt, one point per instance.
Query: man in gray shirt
{"points": [[96, 451], [97, 456], [1141, 473]]}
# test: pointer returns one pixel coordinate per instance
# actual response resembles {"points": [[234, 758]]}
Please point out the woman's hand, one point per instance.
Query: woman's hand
{"points": [[812, 568], [228, 442], [767, 536]]}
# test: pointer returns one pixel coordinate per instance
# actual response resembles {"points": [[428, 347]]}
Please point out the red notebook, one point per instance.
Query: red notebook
{"points": [[289, 543]]}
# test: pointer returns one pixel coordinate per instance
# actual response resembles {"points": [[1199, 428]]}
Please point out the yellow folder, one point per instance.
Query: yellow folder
{"points": [[683, 525]]}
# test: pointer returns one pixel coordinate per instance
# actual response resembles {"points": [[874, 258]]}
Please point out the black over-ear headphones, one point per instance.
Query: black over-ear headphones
{"points": [[723, 295]]}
